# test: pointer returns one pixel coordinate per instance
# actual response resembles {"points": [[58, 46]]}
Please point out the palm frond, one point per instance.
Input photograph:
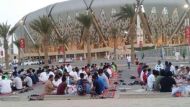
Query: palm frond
{"points": [[36, 45], [125, 12], [4, 30], [42, 25], [85, 20], [63, 40], [17, 44]]}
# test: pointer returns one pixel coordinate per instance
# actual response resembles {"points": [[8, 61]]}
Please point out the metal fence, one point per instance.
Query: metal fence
{"points": [[167, 52]]}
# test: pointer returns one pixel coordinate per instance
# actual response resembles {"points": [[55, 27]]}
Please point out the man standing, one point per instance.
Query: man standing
{"points": [[129, 61], [177, 54], [15, 62], [159, 66]]}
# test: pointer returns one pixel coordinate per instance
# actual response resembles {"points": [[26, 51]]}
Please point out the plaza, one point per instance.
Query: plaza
{"points": [[112, 53]]}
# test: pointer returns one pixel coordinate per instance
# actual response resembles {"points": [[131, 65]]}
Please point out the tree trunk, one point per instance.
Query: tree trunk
{"points": [[132, 47], [64, 54], [19, 55], [6, 54], [88, 46], [132, 35], [46, 51], [39, 53], [115, 47]]}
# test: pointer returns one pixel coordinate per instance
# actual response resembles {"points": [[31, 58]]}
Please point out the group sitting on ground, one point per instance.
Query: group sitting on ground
{"points": [[164, 78], [87, 80], [60, 80], [17, 81]]}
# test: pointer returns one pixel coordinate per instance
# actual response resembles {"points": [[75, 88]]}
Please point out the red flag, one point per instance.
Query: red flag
{"points": [[61, 49], [22, 43], [187, 34]]}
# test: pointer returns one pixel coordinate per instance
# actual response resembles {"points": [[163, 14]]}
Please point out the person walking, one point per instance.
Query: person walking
{"points": [[129, 61]]}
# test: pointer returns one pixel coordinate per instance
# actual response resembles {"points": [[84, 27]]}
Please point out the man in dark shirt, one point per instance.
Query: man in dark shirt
{"points": [[62, 87], [98, 85], [167, 82]]}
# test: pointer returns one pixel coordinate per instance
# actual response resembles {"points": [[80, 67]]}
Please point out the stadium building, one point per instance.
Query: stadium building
{"points": [[163, 17]]}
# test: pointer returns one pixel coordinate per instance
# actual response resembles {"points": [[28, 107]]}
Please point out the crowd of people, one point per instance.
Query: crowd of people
{"points": [[60, 80], [164, 77]]}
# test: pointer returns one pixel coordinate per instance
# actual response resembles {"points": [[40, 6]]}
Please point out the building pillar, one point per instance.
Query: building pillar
{"points": [[96, 56], [75, 56], [84, 55], [56, 58]]}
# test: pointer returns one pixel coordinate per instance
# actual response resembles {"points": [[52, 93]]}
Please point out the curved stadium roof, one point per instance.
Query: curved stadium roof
{"points": [[76, 5], [72, 7]]}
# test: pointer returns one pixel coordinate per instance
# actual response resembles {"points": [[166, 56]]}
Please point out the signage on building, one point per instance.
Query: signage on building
{"points": [[187, 34], [61, 50], [22, 43]]}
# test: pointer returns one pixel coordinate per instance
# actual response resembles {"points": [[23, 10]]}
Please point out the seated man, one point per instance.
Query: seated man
{"points": [[17, 82], [167, 82], [98, 85], [28, 81], [43, 76], [57, 81], [49, 87], [83, 86], [5, 85], [62, 88], [104, 78]]}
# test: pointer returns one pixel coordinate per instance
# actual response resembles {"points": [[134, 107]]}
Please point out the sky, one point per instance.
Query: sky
{"points": [[12, 11]]}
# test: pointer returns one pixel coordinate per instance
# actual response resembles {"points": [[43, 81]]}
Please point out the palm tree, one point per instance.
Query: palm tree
{"points": [[128, 12], [86, 21], [37, 47], [114, 33], [4, 32], [44, 27], [17, 44]]}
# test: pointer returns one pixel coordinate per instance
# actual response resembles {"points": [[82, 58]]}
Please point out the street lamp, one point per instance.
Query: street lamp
{"points": [[186, 6]]}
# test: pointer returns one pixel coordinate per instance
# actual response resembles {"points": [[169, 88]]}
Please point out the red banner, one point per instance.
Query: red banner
{"points": [[22, 43], [61, 49]]}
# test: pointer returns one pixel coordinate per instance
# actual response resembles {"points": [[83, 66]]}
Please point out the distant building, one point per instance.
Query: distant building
{"points": [[163, 17]]}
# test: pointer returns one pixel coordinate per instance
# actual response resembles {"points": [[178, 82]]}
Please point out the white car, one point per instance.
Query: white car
{"points": [[67, 60], [27, 63]]}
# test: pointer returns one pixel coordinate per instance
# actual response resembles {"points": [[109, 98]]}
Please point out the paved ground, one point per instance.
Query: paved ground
{"points": [[143, 102], [134, 96]]}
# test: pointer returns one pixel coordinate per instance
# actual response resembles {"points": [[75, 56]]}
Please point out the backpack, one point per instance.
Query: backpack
{"points": [[81, 88]]}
